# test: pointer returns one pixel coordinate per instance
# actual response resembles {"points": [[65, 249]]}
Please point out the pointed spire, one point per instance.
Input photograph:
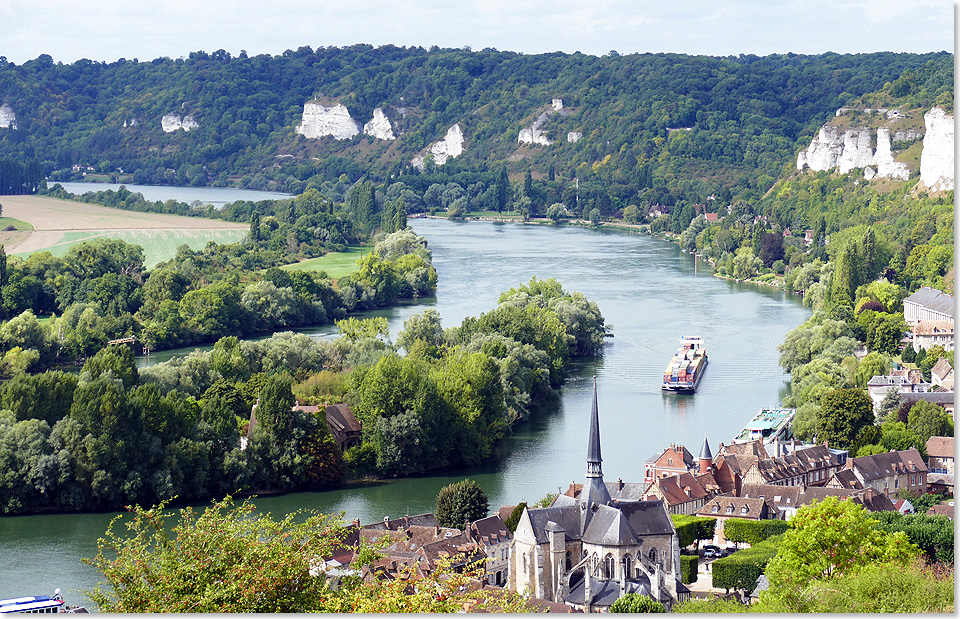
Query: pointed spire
{"points": [[593, 445], [705, 452]]}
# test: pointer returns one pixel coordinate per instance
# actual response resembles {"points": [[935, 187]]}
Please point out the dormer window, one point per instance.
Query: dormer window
{"points": [[716, 508], [744, 509], [730, 508]]}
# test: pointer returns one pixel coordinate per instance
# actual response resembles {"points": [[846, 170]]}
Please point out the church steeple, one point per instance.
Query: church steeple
{"points": [[593, 444], [594, 490]]}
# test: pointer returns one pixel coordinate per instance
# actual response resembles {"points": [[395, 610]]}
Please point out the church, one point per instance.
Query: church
{"points": [[590, 550]]}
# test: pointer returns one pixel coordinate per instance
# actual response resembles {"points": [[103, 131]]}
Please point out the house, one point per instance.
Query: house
{"points": [[927, 304], [711, 217], [723, 507], [901, 381], [788, 499], [341, 422], [903, 506], [930, 333], [494, 539], [943, 398], [784, 498], [941, 374], [940, 483], [940, 454], [673, 460], [590, 550], [682, 493], [944, 509], [890, 472]]}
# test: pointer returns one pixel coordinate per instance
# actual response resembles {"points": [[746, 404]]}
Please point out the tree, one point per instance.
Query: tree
{"points": [[830, 538], [928, 419], [631, 214], [501, 190], [461, 502], [636, 603], [595, 216], [843, 413], [425, 327], [514, 518], [231, 559]]}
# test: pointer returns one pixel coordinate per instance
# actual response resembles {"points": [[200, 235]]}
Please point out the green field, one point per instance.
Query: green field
{"points": [[16, 223], [158, 245], [336, 264]]}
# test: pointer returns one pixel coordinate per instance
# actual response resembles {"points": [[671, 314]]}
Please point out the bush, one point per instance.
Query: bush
{"points": [[741, 569], [753, 531], [636, 603], [689, 564], [692, 528]]}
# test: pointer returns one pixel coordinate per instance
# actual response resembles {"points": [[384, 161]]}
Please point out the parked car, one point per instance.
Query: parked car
{"points": [[712, 552]]}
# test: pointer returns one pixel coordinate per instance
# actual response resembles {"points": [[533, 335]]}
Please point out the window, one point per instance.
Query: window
{"points": [[627, 565], [653, 555], [716, 508], [744, 509], [669, 461], [609, 567], [730, 508], [913, 480]]}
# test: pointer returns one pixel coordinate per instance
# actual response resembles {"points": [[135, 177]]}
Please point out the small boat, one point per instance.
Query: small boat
{"points": [[685, 370], [39, 604]]}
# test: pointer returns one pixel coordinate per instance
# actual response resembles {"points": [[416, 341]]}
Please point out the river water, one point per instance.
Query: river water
{"points": [[645, 287]]}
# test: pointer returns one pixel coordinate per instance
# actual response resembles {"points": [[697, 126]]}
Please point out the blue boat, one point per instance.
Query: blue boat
{"points": [[39, 604]]}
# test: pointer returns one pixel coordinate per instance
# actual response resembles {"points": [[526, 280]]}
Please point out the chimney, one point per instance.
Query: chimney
{"points": [[436, 530], [619, 484], [356, 522], [386, 521]]}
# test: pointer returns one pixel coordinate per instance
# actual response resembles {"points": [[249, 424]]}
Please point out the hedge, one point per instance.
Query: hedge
{"points": [[741, 569], [689, 564], [753, 531], [934, 535], [692, 528]]}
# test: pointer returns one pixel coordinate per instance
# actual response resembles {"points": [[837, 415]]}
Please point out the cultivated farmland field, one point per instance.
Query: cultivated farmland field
{"points": [[59, 224]]}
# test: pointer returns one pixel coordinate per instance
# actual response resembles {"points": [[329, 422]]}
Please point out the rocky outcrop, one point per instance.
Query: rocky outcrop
{"points": [[173, 122], [379, 126], [8, 120], [936, 160], [450, 146], [534, 133], [824, 151], [574, 136], [883, 159], [319, 120], [856, 151]]}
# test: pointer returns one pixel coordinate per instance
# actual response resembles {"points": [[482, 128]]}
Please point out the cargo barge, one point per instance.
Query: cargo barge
{"points": [[685, 370]]}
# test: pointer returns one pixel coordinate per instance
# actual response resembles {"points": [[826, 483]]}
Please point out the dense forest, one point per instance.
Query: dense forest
{"points": [[663, 129]]}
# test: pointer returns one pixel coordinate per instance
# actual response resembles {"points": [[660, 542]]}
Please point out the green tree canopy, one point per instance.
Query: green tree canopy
{"points": [[843, 413], [461, 502]]}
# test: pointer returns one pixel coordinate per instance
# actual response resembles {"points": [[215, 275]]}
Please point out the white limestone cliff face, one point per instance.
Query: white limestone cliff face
{"points": [[574, 136], [856, 150], [172, 122], [533, 134], [379, 126], [8, 120], [319, 120], [824, 150], [450, 146], [883, 159], [936, 159]]}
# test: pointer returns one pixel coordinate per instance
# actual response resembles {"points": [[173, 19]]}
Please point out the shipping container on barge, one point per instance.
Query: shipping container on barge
{"points": [[685, 370]]}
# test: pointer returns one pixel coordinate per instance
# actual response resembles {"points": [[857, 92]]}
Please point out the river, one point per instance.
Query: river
{"points": [[645, 287]]}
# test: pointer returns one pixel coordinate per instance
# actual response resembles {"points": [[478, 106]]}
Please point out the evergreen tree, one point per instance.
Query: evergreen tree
{"points": [[461, 502]]}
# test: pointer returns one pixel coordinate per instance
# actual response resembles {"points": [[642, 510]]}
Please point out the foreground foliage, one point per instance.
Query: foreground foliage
{"points": [[230, 559]]}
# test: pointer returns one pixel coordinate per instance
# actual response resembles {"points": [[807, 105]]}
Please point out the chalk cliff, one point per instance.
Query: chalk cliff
{"points": [[171, 122], [856, 150], [883, 159], [319, 120], [7, 118], [824, 151], [534, 134], [450, 146], [379, 126], [936, 160]]}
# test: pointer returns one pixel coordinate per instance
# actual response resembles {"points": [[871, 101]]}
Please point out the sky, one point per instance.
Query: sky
{"points": [[107, 30]]}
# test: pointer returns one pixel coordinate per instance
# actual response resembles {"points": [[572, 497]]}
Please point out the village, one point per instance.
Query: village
{"points": [[600, 540]]}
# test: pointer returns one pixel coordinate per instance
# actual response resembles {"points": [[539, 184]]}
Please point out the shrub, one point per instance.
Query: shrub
{"points": [[753, 531], [741, 569], [693, 528], [636, 603], [689, 564]]}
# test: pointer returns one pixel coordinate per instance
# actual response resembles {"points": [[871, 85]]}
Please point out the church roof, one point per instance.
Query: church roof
{"points": [[610, 527], [647, 517], [567, 516]]}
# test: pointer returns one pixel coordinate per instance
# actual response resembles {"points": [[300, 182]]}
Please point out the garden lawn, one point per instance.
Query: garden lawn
{"points": [[336, 264]]}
